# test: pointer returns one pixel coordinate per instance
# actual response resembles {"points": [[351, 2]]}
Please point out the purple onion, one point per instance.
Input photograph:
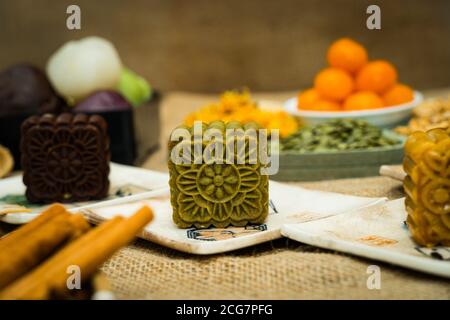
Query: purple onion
{"points": [[103, 101], [25, 90]]}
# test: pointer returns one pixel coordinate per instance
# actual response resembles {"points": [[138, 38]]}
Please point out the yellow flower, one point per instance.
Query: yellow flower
{"points": [[239, 106]]}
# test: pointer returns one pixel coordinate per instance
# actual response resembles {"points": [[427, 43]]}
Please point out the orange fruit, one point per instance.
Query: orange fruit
{"points": [[363, 100], [398, 94], [376, 76], [347, 54], [307, 98], [323, 105], [333, 84]]}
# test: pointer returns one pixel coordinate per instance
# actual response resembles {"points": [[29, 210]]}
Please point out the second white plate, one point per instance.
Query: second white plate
{"points": [[387, 117]]}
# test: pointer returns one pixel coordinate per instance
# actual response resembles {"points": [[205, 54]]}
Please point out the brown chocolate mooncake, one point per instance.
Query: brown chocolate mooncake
{"points": [[65, 158]]}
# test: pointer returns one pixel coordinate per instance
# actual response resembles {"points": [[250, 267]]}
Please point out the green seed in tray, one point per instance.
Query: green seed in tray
{"points": [[337, 135], [337, 149]]}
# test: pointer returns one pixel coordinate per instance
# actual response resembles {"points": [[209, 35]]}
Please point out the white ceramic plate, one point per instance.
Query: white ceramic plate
{"points": [[387, 117], [377, 232], [288, 204], [121, 184]]}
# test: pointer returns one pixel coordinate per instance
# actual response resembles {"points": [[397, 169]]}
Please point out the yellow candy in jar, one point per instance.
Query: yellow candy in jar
{"points": [[427, 186]]}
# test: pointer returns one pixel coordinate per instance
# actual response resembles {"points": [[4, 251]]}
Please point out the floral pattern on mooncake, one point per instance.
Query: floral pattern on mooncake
{"points": [[219, 194], [65, 158]]}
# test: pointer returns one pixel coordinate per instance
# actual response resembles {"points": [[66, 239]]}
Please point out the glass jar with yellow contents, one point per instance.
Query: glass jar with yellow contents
{"points": [[427, 186]]}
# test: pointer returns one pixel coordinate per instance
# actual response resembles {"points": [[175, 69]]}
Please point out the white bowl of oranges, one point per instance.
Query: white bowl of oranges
{"points": [[354, 87]]}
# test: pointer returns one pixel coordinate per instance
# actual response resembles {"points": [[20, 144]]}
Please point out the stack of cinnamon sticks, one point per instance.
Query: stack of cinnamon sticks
{"points": [[36, 258]]}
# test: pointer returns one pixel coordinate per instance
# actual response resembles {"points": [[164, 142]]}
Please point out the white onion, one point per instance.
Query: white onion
{"points": [[81, 67]]}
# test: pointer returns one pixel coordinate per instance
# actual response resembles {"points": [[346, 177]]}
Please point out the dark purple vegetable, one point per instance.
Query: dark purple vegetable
{"points": [[103, 101], [25, 90]]}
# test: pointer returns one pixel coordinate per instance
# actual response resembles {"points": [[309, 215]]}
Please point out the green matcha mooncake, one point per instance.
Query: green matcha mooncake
{"points": [[205, 192]]}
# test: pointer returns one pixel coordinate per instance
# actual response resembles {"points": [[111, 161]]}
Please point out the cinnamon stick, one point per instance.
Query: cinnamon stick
{"points": [[80, 225], [25, 251], [88, 253], [24, 230], [36, 278]]}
